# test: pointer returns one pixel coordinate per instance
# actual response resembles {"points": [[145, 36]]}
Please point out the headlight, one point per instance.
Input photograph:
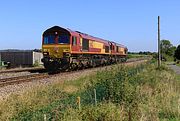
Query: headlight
{"points": [[45, 53], [66, 50]]}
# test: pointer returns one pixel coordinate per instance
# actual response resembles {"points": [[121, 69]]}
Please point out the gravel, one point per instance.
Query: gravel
{"points": [[9, 75]]}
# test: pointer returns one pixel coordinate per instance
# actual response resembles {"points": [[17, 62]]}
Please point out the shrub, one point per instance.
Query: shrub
{"points": [[36, 63]]}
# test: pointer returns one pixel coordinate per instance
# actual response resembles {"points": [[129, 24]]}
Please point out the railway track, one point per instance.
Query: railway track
{"points": [[21, 79], [22, 70], [28, 78]]}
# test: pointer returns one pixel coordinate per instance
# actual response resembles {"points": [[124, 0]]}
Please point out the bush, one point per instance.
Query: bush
{"points": [[102, 112], [36, 63]]}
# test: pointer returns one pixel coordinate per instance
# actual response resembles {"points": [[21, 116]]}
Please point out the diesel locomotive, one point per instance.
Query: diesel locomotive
{"points": [[66, 49]]}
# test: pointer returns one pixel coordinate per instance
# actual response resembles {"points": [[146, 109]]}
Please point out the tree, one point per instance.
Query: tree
{"points": [[177, 53], [167, 48]]}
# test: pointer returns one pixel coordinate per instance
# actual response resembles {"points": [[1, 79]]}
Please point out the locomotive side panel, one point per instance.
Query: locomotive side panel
{"points": [[89, 47]]}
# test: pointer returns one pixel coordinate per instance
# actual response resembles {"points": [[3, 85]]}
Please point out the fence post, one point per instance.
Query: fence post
{"points": [[95, 99], [79, 102], [45, 118]]}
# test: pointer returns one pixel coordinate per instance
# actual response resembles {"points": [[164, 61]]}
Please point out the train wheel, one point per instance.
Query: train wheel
{"points": [[73, 66], [52, 67]]}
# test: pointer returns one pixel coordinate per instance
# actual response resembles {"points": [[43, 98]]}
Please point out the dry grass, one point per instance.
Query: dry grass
{"points": [[70, 89], [38, 97], [162, 101]]}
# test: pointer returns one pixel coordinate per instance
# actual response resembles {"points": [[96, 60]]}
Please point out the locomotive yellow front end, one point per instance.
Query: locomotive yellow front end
{"points": [[56, 48], [55, 51]]}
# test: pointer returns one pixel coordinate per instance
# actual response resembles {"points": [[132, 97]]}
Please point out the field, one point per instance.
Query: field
{"points": [[136, 56], [121, 93]]}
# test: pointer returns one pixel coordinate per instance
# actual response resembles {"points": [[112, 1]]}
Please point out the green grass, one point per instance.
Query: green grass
{"points": [[178, 64], [137, 93], [178, 77]]}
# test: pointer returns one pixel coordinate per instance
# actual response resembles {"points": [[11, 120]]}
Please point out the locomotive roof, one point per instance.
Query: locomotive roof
{"points": [[77, 33]]}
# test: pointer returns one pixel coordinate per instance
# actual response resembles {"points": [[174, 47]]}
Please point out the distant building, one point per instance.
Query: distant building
{"points": [[24, 58]]}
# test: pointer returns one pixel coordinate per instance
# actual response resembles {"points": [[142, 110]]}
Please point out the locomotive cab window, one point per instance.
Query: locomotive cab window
{"points": [[63, 39], [85, 44], [49, 39], [74, 40], [106, 49], [52, 39]]}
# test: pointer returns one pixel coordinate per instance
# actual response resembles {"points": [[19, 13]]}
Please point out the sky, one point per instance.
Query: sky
{"points": [[132, 23]]}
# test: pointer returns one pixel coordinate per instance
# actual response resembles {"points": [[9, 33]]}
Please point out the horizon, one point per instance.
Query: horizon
{"points": [[35, 49]]}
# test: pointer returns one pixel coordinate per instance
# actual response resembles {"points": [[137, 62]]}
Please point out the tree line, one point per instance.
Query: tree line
{"points": [[169, 52]]}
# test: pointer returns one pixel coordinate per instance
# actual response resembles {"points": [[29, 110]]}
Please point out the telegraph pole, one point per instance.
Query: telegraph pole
{"points": [[0, 61], [159, 42]]}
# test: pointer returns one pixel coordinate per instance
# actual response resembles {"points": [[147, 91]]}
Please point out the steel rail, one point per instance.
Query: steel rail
{"points": [[20, 79], [21, 70]]}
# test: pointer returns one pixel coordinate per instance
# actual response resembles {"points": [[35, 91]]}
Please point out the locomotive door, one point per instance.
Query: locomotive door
{"points": [[85, 44], [75, 44], [111, 47]]}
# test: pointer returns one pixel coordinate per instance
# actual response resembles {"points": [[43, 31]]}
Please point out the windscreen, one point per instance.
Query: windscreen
{"points": [[49, 39], [63, 39], [56, 39]]}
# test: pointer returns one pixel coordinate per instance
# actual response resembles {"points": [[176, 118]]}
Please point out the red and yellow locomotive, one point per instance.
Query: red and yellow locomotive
{"points": [[64, 49]]}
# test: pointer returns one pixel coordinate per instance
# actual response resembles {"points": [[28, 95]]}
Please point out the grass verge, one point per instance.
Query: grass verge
{"points": [[122, 93]]}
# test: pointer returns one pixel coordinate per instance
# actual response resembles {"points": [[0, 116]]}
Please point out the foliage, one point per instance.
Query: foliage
{"points": [[36, 63], [102, 112], [167, 48], [177, 53], [37, 50], [166, 57], [142, 53], [145, 53], [178, 64], [119, 87]]}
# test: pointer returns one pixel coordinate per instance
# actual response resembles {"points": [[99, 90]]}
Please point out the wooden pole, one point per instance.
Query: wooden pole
{"points": [[0, 57], [95, 99], [0, 60], [45, 118], [159, 42], [79, 102]]}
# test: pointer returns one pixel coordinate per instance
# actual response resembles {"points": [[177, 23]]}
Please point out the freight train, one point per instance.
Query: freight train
{"points": [[66, 49]]}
